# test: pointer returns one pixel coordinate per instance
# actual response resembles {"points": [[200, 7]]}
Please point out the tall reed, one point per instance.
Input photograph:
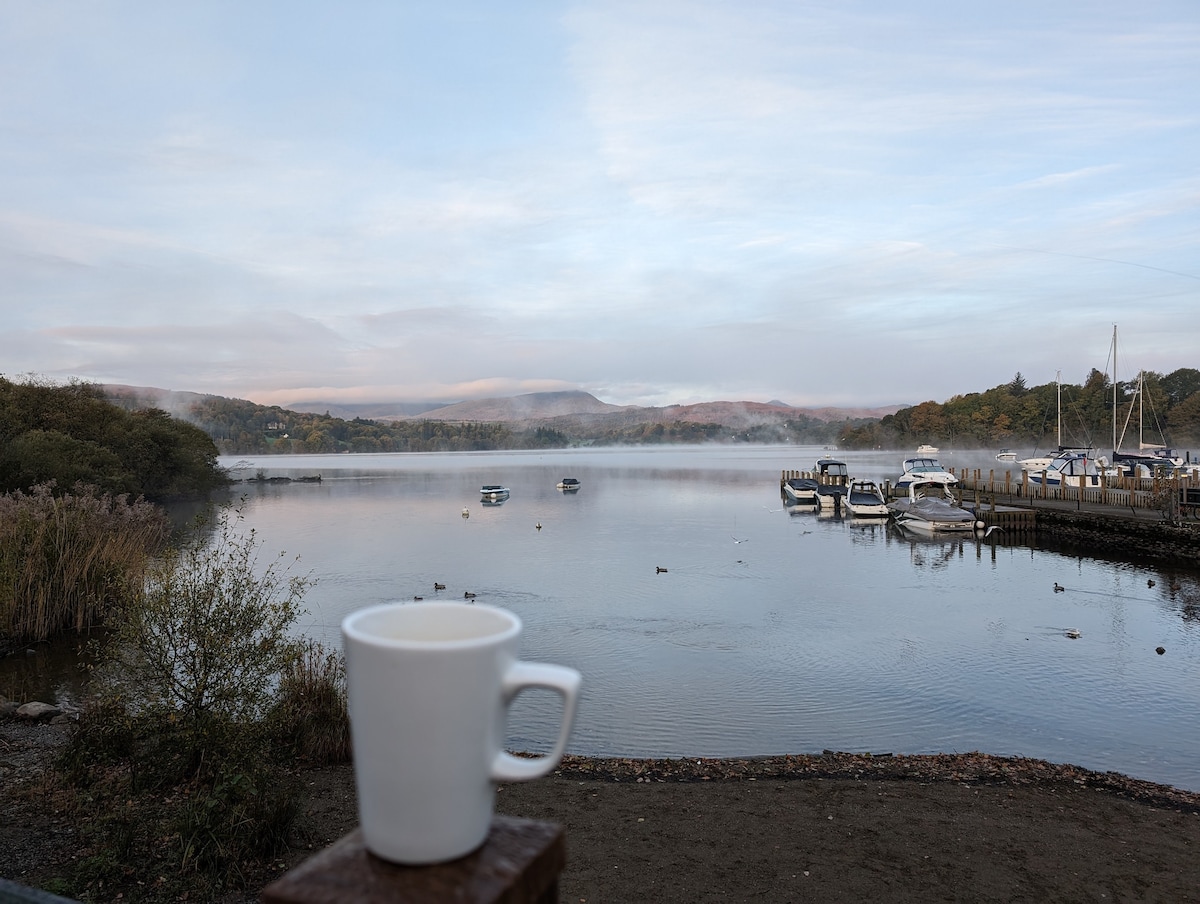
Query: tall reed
{"points": [[65, 560], [311, 712]]}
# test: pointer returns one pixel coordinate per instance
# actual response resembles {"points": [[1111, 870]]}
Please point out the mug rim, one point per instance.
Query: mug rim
{"points": [[352, 631]]}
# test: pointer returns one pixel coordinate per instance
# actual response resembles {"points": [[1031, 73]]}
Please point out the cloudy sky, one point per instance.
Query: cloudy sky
{"points": [[859, 202]]}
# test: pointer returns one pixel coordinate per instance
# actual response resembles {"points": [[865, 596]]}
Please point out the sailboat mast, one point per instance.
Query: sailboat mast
{"points": [[1114, 407], [1058, 384]]}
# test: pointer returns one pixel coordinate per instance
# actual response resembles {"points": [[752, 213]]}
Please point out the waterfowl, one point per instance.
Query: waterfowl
{"points": [[1150, 583], [1058, 588], [1160, 650], [538, 525], [437, 586], [468, 595], [1072, 633], [660, 570]]}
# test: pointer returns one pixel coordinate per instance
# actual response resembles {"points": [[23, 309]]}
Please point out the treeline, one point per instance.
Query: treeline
{"points": [[796, 431], [71, 434], [1018, 416], [239, 427]]}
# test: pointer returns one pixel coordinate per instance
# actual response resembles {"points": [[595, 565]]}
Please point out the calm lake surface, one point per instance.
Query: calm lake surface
{"points": [[770, 632]]}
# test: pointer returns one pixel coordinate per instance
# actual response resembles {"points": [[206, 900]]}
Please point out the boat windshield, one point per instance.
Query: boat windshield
{"points": [[922, 464], [833, 468]]}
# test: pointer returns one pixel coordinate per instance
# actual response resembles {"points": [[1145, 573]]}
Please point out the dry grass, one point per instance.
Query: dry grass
{"points": [[66, 560], [312, 706]]}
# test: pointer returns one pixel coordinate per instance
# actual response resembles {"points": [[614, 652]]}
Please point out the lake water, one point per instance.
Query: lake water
{"points": [[769, 632]]}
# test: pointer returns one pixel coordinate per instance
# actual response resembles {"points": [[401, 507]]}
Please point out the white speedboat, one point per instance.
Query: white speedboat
{"points": [[493, 492], [569, 484], [1037, 463], [924, 468], [864, 499], [926, 449], [1006, 455], [930, 507], [800, 490], [1070, 468]]}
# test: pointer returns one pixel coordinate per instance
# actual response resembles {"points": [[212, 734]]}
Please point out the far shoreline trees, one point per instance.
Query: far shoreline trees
{"points": [[1017, 416], [1012, 414]]}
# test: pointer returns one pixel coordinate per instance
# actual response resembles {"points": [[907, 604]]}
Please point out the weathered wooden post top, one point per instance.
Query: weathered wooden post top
{"points": [[519, 863]]}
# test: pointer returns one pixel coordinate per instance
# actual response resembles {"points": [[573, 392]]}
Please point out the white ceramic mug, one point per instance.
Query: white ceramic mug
{"points": [[429, 687]]}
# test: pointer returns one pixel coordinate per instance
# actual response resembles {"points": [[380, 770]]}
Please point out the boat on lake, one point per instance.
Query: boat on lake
{"points": [[1150, 458], [569, 484], [1038, 463], [800, 490], [930, 508], [923, 468], [926, 449], [1071, 468], [864, 499], [1006, 455], [832, 479], [493, 492]]}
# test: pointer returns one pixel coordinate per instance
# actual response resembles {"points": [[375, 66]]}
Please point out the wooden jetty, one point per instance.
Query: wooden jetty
{"points": [[1013, 501]]}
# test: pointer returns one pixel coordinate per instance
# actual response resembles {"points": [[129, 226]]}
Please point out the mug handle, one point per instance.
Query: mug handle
{"points": [[560, 678]]}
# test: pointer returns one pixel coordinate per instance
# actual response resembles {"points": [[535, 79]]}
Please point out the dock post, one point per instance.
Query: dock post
{"points": [[519, 863]]}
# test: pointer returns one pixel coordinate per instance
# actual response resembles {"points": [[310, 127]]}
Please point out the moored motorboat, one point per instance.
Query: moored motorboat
{"points": [[493, 491], [832, 479], [926, 449], [800, 490], [864, 499], [1070, 468], [924, 468], [569, 484], [1006, 455], [930, 507]]}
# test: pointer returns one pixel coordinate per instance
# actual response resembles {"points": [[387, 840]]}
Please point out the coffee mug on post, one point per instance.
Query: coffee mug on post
{"points": [[429, 689]]}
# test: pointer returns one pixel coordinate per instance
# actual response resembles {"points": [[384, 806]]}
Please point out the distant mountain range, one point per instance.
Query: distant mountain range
{"points": [[555, 409], [577, 406]]}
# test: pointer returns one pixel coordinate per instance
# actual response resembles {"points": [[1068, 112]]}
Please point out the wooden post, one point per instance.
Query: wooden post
{"points": [[519, 863]]}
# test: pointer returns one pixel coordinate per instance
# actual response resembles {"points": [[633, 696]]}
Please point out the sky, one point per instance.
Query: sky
{"points": [[823, 203]]}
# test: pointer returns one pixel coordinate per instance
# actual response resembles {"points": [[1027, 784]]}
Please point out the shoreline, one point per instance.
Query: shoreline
{"points": [[973, 768]]}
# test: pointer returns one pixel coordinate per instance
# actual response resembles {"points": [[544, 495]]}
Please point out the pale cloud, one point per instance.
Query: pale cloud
{"points": [[655, 202]]}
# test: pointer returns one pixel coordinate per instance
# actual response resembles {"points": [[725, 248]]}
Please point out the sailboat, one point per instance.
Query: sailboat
{"points": [[1044, 462], [1149, 456]]}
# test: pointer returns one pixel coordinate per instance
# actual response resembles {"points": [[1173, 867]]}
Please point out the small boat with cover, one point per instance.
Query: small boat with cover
{"points": [[930, 507]]}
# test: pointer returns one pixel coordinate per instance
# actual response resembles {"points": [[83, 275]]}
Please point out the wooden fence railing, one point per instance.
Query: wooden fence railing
{"points": [[1132, 492]]}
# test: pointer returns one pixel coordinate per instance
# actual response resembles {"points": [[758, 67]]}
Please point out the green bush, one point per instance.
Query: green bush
{"points": [[178, 761]]}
